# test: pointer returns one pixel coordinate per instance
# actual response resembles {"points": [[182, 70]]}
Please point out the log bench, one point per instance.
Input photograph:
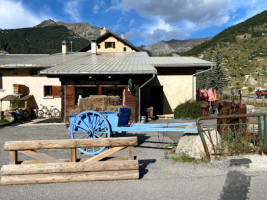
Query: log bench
{"points": [[47, 169]]}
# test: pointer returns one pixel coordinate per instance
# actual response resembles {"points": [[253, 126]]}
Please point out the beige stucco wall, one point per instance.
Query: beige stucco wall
{"points": [[118, 46], [36, 87], [177, 89]]}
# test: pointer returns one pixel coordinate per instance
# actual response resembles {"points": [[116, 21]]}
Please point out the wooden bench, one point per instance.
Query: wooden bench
{"points": [[47, 169]]}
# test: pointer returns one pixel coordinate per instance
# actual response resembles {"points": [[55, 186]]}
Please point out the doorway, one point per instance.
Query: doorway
{"points": [[156, 99]]}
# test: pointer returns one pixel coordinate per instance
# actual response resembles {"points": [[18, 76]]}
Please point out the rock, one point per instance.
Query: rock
{"points": [[190, 144], [8, 116]]}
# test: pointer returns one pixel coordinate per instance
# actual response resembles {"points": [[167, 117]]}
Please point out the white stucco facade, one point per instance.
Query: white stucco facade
{"points": [[34, 83]]}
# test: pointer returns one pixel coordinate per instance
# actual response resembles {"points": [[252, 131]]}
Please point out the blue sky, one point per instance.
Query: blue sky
{"points": [[144, 22]]}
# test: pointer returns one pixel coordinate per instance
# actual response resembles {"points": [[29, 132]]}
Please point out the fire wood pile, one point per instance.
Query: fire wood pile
{"points": [[99, 103]]}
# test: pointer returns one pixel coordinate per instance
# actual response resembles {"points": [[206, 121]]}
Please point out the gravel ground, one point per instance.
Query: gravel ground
{"points": [[160, 178]]}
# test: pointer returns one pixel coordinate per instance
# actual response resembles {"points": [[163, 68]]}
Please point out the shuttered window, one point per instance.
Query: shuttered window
{"points": [[56, 91], [110, 45], [52, 91]]}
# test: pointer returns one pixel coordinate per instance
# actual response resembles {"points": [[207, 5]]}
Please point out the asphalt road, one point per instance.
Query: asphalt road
{"points": [[234, 178]]}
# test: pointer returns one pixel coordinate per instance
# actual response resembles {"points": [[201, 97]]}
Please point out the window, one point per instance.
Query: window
{"points": [[47, 91], [33, 72], [124, 48], [98, 46], [109, 45], [1, 81]]}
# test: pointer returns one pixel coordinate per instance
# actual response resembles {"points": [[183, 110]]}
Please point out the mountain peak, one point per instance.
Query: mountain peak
{"points": [[48, 22]]}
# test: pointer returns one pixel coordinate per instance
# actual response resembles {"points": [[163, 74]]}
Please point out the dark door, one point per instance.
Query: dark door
{"points": [[156, 99]]}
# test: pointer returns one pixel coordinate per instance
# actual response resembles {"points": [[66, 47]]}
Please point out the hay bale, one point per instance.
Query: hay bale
{"points": [[99, 103]]}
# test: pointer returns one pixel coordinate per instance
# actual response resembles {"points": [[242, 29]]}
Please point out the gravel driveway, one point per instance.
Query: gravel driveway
{"points": [[160, 178]]}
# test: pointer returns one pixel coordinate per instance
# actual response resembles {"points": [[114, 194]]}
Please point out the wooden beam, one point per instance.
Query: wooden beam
{"points": [[40, 156], [70, 143], [69, 167], [70, 177], [73, 155], [27, 162], [13, 157], [131, 152], [104, 154]]}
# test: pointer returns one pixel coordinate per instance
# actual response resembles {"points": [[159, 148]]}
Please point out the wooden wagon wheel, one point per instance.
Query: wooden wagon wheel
{"points": [[90, 124]]}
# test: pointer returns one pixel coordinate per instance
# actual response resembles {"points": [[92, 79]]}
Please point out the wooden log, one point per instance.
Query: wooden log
{"points": [[109, 158], [13, 157], [69, 167], [131, 152], [40, 156], [29, 162], [70, 143], [70, 177], [73, 155], [104, 154]]}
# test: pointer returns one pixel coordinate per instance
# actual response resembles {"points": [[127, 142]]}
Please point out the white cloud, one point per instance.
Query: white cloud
{"points": [[168, 19], [72, 8], [131, 22], [96, 8], [14, 15], [132, 34]]}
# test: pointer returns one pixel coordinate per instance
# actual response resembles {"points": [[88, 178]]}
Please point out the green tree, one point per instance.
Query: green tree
{"points": [[216, 78]]}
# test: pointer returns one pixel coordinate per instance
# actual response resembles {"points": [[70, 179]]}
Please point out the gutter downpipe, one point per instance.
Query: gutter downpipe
{"points": [[193, 89], [139, 106]]}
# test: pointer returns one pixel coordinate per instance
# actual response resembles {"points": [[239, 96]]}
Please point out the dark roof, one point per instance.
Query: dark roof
{"points": [[105, 36], [9, 97]]}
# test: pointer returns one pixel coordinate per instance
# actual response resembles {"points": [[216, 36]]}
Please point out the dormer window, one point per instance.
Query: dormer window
{"points": [[124, 48], [110, 45]]}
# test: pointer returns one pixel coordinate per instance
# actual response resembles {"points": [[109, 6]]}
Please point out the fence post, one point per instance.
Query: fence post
{"points": [[260, 135]]}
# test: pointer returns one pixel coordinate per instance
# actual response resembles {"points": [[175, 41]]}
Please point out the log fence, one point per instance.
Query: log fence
{"points": [[47, 169]]}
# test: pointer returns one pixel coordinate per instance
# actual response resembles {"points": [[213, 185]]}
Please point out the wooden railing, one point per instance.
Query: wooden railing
{"points": [[47, 169]]}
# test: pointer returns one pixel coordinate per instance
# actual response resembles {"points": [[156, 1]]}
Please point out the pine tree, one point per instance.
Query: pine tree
{"points": [[216, 78]]}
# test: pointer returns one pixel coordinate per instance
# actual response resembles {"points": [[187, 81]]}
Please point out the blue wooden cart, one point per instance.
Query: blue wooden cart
{"points": [[92, 124]]}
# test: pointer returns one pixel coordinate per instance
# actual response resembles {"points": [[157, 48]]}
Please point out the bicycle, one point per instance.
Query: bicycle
{"points": [[51, 113]]}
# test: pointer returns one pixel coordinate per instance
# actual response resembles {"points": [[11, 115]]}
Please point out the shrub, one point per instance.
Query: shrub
{"points": [[189, 109]]}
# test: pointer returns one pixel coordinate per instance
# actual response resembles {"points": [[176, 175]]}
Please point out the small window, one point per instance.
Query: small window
{"points": [[1, 81], [98, 46], [124, 48], [33, 72], [47, 91], [109, 45]]}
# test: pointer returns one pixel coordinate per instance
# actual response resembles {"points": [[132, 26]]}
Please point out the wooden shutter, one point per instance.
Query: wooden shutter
{"points": [[113, 45], [56, 91], [106, 45], [1, 81]]}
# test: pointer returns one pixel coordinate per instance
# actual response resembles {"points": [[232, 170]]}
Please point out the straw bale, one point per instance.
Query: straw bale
{"points": [[99, 103]]}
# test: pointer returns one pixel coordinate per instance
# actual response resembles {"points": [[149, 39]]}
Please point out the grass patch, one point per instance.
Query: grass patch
{"points": [[170, 154], [4, 122], [186, 159]]}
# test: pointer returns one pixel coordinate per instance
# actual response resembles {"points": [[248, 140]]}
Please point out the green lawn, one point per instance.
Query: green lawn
{"points": [[4, 122]]}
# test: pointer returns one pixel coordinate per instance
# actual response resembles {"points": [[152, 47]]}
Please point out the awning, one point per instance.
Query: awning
{"points": [[9, 97]]}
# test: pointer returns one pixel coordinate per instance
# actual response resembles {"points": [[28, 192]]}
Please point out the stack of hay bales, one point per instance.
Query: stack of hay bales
{"points": [[99, 103]]}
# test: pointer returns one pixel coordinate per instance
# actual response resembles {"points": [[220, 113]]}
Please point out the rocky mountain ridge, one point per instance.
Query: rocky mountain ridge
{"points": [[174, 46], [84, 30]]}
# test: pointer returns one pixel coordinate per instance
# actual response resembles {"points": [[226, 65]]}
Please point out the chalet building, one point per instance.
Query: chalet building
{"points": [[110, 65]]}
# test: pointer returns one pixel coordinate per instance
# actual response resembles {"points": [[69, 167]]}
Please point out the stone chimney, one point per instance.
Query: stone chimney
{"points": [[122, 35], [103, 30], [64, 47]]}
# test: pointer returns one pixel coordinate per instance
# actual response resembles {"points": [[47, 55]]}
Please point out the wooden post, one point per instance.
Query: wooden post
{"points": [[73, 155], [131, 152], [13, 155]]}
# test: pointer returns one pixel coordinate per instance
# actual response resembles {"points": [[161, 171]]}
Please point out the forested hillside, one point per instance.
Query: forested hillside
{"points": [[38, 40], [243, 49]]}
